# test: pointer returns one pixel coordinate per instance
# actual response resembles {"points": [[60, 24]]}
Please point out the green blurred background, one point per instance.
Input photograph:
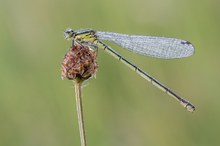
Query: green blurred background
{"points": [[37, 108]]}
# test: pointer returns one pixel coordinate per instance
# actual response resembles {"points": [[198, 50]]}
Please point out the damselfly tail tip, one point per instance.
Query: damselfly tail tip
{"points": [[188, 106]]}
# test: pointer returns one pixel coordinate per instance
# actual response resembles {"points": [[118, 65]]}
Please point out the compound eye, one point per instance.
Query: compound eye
{"points": [[68, 30]]}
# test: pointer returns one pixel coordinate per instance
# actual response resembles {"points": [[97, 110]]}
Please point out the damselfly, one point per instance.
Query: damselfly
{"points": [[159, 47]]}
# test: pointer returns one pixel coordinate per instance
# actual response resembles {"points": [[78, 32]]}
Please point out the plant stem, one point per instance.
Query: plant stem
{"points": [[78, 92]]}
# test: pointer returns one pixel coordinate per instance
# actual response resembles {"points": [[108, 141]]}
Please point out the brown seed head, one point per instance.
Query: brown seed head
{"points": [[79, 63]]}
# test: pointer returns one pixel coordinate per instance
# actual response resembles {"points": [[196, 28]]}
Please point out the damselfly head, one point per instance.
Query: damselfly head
{"points": [[68, 33]]}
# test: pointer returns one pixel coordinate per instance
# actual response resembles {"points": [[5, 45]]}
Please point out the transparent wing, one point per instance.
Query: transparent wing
{"points": [[160, 47]]}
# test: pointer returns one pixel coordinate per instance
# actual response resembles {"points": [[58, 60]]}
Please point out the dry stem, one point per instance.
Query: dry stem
{"points": [[78, 92]]}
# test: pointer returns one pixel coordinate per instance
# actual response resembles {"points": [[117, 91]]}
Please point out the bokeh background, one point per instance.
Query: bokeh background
{"points": [[37, 108]]}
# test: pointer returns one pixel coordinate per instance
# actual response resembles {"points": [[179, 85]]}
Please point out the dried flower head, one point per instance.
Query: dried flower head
{"points": [[79, 63]]}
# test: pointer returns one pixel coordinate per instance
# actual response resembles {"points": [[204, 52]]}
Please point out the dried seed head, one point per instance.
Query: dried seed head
{"points": [[79, 63]]}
